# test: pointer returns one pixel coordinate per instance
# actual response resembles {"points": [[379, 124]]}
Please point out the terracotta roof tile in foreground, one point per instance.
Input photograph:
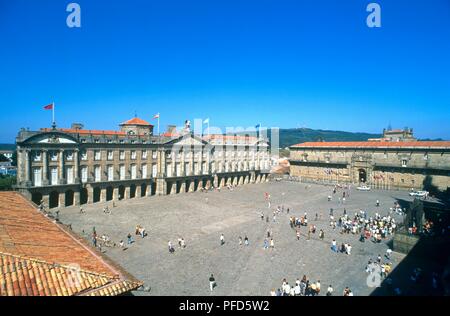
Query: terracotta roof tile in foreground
{"points": [[38, 257], [374, 144]]}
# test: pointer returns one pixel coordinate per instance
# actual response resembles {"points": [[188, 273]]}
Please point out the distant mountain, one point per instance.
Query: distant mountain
{"points": [[292, 136], [7, 146]]}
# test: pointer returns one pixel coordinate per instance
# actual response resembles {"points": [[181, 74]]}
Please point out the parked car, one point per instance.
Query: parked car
{"points": [[419, 193], [363, 188]]}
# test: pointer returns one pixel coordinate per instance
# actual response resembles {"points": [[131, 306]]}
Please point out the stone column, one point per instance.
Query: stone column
{"points": [[27, 167], [161, 163], [161, 186], [138, 191], [115, 194], [61, 200], [173, 189], [46, 200], [183, 186], [127, 193], [61, 176], [45, 167], [90, 198], [102, 195], [76, 198], [216, 181], [191, 186], [76, 166]]}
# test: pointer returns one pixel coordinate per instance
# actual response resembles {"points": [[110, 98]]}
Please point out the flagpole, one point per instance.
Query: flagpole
{"points": [[53, 115], [158, 124]]}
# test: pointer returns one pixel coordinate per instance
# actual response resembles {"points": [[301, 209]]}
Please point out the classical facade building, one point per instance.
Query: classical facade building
{"points": [[64, 167], [399, 163]]}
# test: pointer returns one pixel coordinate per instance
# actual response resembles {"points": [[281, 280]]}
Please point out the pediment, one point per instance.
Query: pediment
{"points": [[51, 138]]}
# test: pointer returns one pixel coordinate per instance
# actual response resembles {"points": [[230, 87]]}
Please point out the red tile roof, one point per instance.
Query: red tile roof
{"points": [[85, 131], [375, 144], [36, 255], [136, 121]]}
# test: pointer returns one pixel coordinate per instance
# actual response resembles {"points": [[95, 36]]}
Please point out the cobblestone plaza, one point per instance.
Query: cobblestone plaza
{"points": [[200, 218]]}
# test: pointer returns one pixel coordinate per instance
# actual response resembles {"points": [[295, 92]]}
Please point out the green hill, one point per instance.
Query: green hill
{"points": [[289, 137]]}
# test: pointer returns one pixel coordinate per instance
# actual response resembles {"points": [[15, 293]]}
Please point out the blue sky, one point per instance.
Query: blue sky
{"points": [[282, 63]]}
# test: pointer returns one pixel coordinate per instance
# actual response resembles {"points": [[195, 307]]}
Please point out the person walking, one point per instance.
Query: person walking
{"points": [[129, 239], [330, 291], [171, 249], [388, 253], [334, 246], [240, 241], [272, 244], [321, 234], [222, 240], [212, 282], [246, 241]]}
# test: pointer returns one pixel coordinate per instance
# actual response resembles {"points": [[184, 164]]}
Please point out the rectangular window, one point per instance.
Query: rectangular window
{"points": [[122, 172], [37, 177], [69, 175], [83, 155], [154, 154], [84, 174], [54, 176], [204, 169], [169, 170], [37, 156], [133, 172], [97, 155], [144, 171], [404, 162], [133, 155], [154, 170], [110, 173], [122, 155], [98, 173], [53, 156], [178, 169], [69, 156], [110, 155], [144, 154]]}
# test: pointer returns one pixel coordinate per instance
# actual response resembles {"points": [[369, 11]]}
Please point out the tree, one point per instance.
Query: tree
{"points": [[14, 159]]}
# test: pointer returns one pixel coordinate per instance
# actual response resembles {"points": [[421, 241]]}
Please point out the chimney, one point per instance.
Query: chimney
{"points": [[77, 126], [171, 129]]}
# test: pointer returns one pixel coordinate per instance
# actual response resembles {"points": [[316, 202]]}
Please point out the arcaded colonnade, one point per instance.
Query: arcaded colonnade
{"points": [[65, 196]]}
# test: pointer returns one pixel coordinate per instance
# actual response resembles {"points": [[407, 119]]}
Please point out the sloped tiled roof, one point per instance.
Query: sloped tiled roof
{"points": [[37, 254], [413, 144], [136, 121], [22, 276], [85, 131]]}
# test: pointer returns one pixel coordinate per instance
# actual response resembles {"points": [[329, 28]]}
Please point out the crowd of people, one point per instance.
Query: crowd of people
{"points": [[375, 228], [304, 287]]}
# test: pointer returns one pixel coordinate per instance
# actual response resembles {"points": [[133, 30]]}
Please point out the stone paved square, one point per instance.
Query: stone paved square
{"points": [[200, 218]]}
